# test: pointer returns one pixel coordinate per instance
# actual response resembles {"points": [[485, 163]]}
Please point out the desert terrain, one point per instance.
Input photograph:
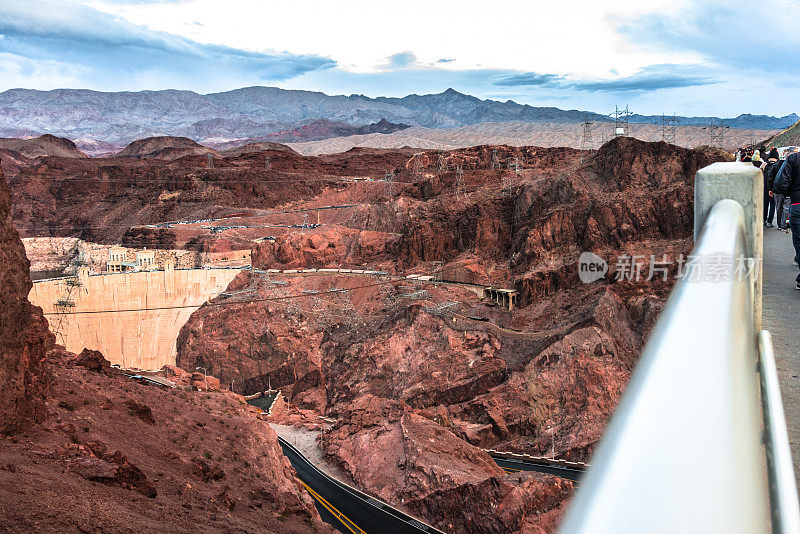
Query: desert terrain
{"points": [[365, 304]]}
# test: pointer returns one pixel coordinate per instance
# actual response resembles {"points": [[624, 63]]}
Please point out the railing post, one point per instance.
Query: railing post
{"points": [[744, 183]]}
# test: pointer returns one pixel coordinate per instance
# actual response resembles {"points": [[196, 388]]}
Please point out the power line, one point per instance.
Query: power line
{"points": [[716, 133], [446, 308], [211, 303], [437, 278], [669, 128]]}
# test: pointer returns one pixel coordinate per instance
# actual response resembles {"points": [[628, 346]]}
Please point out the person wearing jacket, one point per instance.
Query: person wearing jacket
{"points": [[788, 183], [770, 169]]}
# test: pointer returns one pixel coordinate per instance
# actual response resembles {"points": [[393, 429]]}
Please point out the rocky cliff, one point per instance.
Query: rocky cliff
{"points": [[435, 360], [24, 334], [87, 449]]}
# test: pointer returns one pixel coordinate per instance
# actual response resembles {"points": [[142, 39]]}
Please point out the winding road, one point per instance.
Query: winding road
{"points": [[346, 508], [353, 512]]}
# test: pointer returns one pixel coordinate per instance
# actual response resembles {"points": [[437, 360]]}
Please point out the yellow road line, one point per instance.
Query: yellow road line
{"points": [[343, 519]]}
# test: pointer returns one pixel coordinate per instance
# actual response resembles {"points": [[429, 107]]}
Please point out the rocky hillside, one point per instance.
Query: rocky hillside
{"points": [[418, 375], [167, 148], [788, 137], [522, 134], [44, 145], [106, 454], [104, 199], [249, 148], [322, 129], [253, 112]]}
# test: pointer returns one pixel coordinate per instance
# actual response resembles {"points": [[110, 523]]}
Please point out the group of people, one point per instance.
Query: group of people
{"points": [[781, 192]]}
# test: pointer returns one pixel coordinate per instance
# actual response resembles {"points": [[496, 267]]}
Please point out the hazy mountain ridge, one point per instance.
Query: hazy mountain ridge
{"points": [[256, 112]]}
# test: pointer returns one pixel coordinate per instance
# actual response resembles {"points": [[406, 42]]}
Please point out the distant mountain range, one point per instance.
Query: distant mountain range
{"points": [[93, 118]]}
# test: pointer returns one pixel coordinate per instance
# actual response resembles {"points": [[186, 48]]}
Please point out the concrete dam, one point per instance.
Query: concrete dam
{"points": [[113, 313]]}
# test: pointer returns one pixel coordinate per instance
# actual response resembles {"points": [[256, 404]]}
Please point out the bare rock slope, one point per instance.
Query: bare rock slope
{"points": [[86, 449]]}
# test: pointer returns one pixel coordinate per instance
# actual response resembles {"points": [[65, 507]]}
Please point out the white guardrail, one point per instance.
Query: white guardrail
{"points": [[698, 443]]}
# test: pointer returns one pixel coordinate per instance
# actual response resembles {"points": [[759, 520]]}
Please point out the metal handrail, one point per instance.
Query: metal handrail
{"points": [[686, 450], [782, 485]]}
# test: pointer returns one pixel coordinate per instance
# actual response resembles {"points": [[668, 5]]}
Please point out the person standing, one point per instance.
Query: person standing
{"points": [[788, 183], [756, 159], [770, 169]]}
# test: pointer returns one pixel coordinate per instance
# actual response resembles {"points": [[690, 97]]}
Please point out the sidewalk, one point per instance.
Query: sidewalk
{"points": [[781, 308]]}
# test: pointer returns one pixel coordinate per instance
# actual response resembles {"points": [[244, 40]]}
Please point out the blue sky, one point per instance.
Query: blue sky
{"points": [[690, 57]]}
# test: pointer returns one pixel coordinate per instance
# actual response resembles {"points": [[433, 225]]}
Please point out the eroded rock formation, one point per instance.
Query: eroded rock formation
{"points": [[24, 334], [541, 380]]}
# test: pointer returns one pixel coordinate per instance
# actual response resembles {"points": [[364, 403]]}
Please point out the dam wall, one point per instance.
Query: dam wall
{"points": [[122, 324]]}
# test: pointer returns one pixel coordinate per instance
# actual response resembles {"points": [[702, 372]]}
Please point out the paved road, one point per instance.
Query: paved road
{"points": [[347, 509], [511, 466], [781, 308]]}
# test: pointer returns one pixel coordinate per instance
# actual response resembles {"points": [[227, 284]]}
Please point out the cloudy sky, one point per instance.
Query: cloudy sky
{"points": [[691, 57]]}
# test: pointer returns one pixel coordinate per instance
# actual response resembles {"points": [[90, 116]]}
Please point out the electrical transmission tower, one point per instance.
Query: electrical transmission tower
{"points": [[621, 121], [442, 310], [352, 319], [276, 289], [586, 140], [321, 309], [437, 270], [65, 304], [391, 299], [508, 179], [495, 159], [441, 163], [388, 179], [669, 127], [716, 133], [459, 180], [416, 170], [268, 164], [209, 161]]}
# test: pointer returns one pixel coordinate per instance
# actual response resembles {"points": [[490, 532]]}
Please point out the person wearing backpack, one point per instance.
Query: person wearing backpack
{"points": [[788, 183]]}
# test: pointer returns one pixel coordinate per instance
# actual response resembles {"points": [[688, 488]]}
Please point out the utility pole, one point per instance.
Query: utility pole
{"points": [[669, 128]]}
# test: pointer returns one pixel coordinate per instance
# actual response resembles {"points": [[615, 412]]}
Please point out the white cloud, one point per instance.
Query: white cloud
{"points": [[555, 37]]}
